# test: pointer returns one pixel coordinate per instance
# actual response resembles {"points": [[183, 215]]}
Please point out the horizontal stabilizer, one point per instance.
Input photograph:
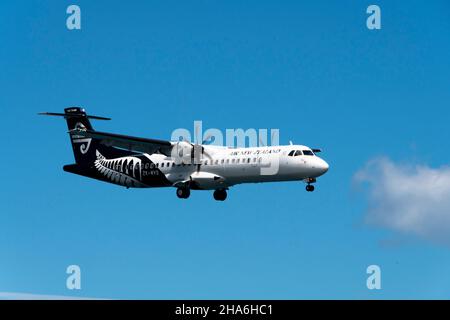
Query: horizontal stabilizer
{"points": [[72, 115]]}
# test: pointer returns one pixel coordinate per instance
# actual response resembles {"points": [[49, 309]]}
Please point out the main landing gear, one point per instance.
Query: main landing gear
{"points": [[183, 192], [220, 194], [310, 188]]}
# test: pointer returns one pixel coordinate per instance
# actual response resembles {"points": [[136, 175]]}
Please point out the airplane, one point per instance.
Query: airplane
{"points": [[135, 162]]}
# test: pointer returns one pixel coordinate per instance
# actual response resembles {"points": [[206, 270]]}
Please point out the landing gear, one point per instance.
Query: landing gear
{"points": [[183, 193], [310, 187], [220, 194]]}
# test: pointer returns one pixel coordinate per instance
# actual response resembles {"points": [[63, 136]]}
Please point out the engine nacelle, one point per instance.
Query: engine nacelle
{"points": [[207, 181]]}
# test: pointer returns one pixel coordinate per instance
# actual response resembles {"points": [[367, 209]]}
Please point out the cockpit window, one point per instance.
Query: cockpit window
{"points": [[298, 153], [308, 153], [291, 153]]}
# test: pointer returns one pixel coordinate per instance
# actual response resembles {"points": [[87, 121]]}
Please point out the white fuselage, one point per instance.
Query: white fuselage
{"points": [[222, 167]]}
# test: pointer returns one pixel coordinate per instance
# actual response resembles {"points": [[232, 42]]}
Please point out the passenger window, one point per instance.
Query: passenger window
{"points": [[233, 161], [221, 161], [206, 162], [237, 161], [248, 160]]}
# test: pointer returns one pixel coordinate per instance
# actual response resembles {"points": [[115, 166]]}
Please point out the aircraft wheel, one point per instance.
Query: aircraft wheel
{"points": [[220, 194], [183, 193], [310, 188]]}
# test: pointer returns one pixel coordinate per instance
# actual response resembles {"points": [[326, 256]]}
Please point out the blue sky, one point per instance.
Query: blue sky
{"points": [[312, 70]]}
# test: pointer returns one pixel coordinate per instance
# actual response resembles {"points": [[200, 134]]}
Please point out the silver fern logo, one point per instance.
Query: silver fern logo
{"points": [[126, 171]]}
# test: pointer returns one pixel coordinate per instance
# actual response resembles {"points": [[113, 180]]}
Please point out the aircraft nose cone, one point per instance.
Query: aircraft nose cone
{"points": [[325, 166], [322, 166]]}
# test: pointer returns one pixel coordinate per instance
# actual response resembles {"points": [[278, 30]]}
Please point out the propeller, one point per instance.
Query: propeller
{"points": [[197, 149]]}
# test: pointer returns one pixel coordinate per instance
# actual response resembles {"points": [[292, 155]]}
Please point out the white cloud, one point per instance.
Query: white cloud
{"points": [[410, 199]]}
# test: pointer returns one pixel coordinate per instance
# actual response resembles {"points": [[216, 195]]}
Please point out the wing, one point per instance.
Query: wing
{"points": [[127, 142]]}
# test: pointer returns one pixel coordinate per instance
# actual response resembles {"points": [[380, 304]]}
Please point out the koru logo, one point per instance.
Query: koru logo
{"points": [[85, 142]]}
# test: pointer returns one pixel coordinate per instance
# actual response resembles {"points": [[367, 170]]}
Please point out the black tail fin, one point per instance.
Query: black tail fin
{"points": [[83, 148]]}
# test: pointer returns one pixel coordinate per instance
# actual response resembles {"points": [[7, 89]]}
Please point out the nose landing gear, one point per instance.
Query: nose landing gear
{"points": [[310, 187]]}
